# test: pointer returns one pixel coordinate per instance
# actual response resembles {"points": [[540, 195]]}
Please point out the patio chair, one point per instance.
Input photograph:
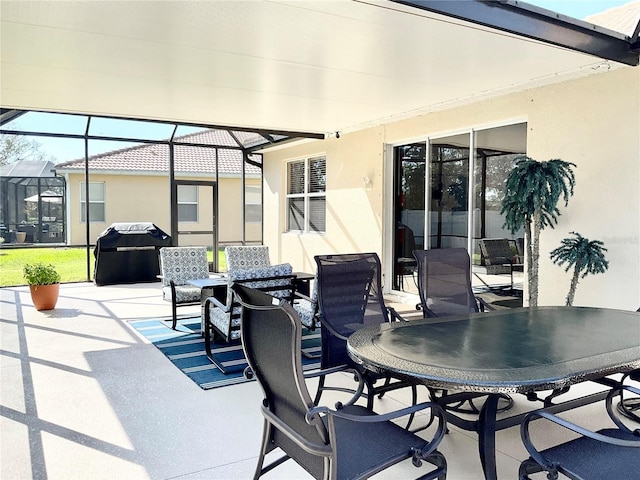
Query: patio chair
{"points": [[498, 256], [607, 453], [406, 264], [245, 257], [444, 286], [630, 407], [350, 298], [248, 257], [348, 443], [222, 321], [177, 266], [444, 283]]}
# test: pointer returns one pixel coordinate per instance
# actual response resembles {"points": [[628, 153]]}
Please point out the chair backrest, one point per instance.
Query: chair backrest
{"points": [[349, 298], [276, 279], [496, 251], [444, 282], [408, 241], [183, 263], [272, 339], [245, 257]]}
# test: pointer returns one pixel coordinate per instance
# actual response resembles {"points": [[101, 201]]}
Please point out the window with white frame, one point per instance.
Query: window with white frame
{"points": [[306, 195], [187, 203], [253, 204], [96, 202]]}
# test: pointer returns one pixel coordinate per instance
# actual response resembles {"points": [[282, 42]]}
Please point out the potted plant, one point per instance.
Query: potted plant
{"points": [[533, 190], [584, 256], [44, 283]]}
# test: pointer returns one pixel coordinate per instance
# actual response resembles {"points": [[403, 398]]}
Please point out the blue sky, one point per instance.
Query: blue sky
{"points": [[63, 150], [578, 8]]}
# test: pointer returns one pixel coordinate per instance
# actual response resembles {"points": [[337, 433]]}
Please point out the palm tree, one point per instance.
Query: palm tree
{"points": [[533, 190], [586, 257]]}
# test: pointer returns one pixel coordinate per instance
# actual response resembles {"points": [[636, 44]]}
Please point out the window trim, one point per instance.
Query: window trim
{"points": [[102, 202], [306, 195], [196, 203]]}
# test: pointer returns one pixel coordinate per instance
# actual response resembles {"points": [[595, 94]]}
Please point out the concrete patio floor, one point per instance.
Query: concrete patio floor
{"points": [[84, 396]]}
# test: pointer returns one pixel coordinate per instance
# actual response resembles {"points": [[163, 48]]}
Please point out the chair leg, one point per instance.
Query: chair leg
{"points": [[174, 313], [439, 460], [316, 400]]}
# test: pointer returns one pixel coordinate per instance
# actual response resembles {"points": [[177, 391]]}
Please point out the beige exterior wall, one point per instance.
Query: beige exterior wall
{"points": [[145, 198], [593, 122]]}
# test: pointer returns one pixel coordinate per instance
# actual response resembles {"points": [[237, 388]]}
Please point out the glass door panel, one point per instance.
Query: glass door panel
{"points": [[449, 185], [409, 209]]}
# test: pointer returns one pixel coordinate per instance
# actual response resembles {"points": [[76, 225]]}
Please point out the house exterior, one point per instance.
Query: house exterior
{"points": [[422, 105], [593, 122], [133, 185]]}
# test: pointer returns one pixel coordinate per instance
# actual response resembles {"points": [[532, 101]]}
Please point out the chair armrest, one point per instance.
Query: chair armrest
{"points": [[437, 412], [341, 368], [302, 296], [395, 316], [484, 306], [599, 437], [213, 301]]}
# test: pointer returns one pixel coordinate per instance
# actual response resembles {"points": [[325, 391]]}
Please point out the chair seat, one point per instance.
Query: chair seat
{"points": [[184, 294], [588, 458], [220, 319], [306, 310], [358, 445]]}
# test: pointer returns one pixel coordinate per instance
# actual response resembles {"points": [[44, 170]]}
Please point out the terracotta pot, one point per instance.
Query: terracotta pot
{"points": [[44, 296]]}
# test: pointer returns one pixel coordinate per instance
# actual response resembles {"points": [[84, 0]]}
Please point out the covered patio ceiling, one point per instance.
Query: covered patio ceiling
{"points": [[288, 66]]}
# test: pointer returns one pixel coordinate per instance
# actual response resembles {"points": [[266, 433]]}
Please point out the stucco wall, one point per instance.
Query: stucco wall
{"points": [[593, 122], [143, 198]]}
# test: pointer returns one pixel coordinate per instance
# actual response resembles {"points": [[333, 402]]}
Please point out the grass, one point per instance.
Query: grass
{"points": [[70, 262]]}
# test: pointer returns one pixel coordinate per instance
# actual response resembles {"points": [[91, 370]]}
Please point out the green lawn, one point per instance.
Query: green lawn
{"points": [[70, 262]]}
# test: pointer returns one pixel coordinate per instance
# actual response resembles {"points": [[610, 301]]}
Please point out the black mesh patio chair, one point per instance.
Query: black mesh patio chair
{"points": [[630, 407], [606, 454], [444, 286], [444, 283], [350, 298], [348, 443], [406, 264]]}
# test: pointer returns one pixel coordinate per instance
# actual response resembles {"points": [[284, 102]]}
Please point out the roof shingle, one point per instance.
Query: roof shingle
{"points": [[188, 159]]}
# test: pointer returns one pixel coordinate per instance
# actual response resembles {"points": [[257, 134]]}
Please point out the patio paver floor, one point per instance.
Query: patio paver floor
{"points": [[85, 397]]}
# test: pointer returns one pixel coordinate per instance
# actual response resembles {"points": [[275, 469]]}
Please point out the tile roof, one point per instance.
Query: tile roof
{"points": [[188, 159], [623, 18], [27, 168]]}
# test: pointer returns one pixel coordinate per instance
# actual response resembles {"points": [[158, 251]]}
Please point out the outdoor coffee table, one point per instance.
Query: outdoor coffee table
{"points": [[505, 352]]}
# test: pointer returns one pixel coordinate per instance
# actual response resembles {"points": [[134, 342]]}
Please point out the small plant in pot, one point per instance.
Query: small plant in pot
{"points": [[44, 283]]}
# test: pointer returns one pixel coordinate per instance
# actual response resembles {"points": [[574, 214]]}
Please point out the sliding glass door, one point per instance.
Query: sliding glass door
{"points": [[448, 191]]}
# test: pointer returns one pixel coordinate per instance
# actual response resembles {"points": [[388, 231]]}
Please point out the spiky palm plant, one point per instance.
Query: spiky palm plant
{"points": [[533, 190], [583, 255]]}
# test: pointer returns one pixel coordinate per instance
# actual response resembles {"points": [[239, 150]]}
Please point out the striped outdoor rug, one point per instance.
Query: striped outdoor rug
{"points": [[185, 348]]}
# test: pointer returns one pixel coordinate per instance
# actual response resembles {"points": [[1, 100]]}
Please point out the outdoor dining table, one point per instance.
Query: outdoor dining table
{"points": [[517, 351]]}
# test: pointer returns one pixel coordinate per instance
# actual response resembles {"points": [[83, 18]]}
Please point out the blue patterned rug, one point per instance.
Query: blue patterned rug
{"points": [[185, 348]]}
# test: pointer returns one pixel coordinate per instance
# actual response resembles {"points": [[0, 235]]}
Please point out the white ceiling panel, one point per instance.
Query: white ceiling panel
{"points": [[316, 66]]}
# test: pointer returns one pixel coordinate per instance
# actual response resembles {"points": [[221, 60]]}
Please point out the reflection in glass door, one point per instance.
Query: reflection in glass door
{"points": [[449, 187], [487, 156], [409, 208]]}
